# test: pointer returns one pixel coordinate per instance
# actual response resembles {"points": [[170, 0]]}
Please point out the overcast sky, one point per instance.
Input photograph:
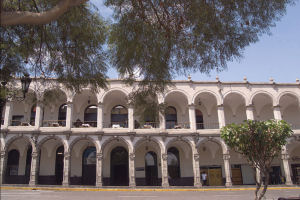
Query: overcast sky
{"points": [[276, 56]]}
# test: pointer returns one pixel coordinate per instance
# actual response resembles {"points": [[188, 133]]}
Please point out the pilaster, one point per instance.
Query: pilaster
{"points": [[286, 166], [2, 166], [34, 168], [130, 118], [69, 115], [192, 116], [164, 170], [197, 180], [131, 170], [221, 116], [8, 114], [277, 112], [67, 169], [226, 158], [100, 116], [250, 112], [99, 170], [39, 115]]}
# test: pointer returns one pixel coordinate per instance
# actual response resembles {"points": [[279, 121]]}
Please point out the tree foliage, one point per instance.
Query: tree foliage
{"points": [[259, 142], [163, 38], [69, 49]]}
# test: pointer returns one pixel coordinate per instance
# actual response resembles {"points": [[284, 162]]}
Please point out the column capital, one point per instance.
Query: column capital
{"points": [[34, 155], [285, 156], [250, 106], [164, 156], [100, 104], [67, 155], [99, 156], [131, 156], [69, 102], [192, 106], [220, 106], [277, 106], [196, 157], [2, 154], [226, 156]]}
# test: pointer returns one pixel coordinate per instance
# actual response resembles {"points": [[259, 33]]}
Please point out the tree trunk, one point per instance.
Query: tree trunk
{"points": [[266, 183]]}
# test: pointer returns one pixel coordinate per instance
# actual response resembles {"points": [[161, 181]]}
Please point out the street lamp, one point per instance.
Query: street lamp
{"points": [[25, 81]]}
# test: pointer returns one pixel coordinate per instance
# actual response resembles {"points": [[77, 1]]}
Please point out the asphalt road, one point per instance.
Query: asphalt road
{"points": [[141, 195]]}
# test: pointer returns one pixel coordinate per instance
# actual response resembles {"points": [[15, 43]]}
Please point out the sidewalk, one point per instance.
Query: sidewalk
{"points": [[140, 188]]}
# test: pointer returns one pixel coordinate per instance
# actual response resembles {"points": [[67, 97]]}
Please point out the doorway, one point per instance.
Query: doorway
{"points": [[59, 165], [119, 167], [89, 166], [151, 169]]}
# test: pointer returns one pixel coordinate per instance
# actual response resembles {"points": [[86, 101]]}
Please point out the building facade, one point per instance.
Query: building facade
{"points": [[95, 138]]}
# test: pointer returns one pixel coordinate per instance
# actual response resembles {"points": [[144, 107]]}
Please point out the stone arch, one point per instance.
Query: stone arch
{"points": [[185, 151], [55, 89], [45, 139], [74, 141], [244, 97], [219, 141], [14, 138], [262, 92], [185, 94], [129, 145], [215, 95], [102, 98], [285, 93], [142, 140]]}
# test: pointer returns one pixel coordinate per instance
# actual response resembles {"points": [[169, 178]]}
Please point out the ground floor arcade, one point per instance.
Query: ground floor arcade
{"points": [[134, 160]]}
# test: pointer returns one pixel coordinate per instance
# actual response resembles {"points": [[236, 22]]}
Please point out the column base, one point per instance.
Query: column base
{"points": [[289, 183], [198, 185], [65, 184], [99, 184], [32, 183], [228, 184], [132, 185], [165, 185]]}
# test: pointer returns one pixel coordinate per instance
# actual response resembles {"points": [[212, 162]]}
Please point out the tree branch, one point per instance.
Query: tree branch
{"points": [[26, 17]]}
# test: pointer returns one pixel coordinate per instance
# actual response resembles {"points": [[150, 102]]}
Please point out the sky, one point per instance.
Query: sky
{"points": [[276, 55]]}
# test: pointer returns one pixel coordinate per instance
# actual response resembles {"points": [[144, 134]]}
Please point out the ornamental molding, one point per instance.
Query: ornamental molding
{"points": [[131, 156], [196, 157], [226, 156], [164, 156]]}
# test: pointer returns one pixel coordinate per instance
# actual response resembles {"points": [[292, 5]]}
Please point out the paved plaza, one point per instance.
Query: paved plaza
{"points": [[217, 194]]}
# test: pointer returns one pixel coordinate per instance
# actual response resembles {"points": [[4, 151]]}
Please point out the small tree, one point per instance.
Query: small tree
{"points": [[259, 142]]}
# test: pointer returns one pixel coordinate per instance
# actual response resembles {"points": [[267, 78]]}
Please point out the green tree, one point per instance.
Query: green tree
{"points": [[259, 142], [158, 38]]}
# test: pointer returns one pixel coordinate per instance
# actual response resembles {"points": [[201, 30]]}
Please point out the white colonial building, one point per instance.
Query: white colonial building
{"points": [[95, 138]]}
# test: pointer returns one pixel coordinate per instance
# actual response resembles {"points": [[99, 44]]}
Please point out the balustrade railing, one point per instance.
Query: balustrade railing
{"points": [[146, 125], [211, 125], [85, 124], [115, 125], [54, 123], [21, 123], [181, 125]]}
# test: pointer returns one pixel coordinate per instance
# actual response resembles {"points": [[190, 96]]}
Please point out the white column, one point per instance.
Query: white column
{"points": [[226, 158], [164, 170], [192, 116], [2, 166], [8, 114], [131, 170], [69, 115], [286, 167], [197, 181], [162, 121], [34, 168], [99, 170], [221, 116], [277, 113], [250, 112], [130, 118], [67, 169], [100, 116], [39, 115]]}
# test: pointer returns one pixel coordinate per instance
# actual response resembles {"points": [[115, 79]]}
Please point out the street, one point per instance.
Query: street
{"points": [[143, 195]]}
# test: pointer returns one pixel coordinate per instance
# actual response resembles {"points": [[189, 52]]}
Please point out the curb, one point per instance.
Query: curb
{"points": [[142, 189]]}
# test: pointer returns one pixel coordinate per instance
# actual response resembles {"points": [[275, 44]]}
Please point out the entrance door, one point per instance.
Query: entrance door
{"points": [[28, 165], [296, 173], [151, 168], [59, 165], [215, 177], [89, 166], [119, 167], [236, 175]]}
